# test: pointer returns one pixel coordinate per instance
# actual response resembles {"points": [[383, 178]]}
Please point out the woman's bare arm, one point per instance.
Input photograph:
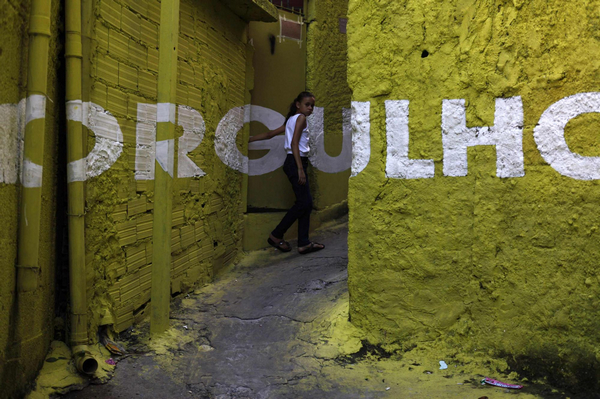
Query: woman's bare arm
{"points": [[267, 135]]}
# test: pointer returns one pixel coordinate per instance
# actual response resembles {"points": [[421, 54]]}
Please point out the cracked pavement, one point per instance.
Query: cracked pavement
{"points": [[276, 326], [250, 334]]}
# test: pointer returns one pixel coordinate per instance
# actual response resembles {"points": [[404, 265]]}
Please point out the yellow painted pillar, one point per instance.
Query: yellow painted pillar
{"points": [[33, 151], [164, 168]]}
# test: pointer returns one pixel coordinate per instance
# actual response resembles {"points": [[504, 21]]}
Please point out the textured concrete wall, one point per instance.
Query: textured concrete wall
{"points": [[207, 201], [508, 264], [326, 78], [26, 321]]}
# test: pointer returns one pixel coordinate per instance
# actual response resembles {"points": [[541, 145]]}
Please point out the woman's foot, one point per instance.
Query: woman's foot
{"points": [[312, 247], [279, 243]]}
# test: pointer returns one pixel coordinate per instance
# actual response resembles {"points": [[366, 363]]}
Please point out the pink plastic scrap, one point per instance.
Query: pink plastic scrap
{"points": [[500, 384], [111, 362]]}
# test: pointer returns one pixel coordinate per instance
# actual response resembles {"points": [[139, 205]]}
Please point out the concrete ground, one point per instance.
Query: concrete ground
{"points": [[276, 326]]}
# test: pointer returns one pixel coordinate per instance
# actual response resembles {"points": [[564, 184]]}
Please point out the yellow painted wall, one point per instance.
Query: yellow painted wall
{"points": [[503, 266], [26, 323], [326, 78], [207, 210], [120, 76]]}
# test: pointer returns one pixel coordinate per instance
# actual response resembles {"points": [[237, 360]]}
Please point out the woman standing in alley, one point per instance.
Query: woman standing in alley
{"points": [[296, 162]]}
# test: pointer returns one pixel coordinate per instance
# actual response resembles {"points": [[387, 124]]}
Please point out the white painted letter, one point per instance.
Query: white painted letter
{"points": [[225, 140], [75, 169], [397, 163], [193, 132], [109, 139], [12, 126], [506, 135], [145, 145], [361, 136], [318, 156], [165, 155], [276, 155], [225, 137], [549, 135], [31, 173]]}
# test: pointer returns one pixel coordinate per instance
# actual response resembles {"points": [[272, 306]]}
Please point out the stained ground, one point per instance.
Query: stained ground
{"points": [[276, 326]]}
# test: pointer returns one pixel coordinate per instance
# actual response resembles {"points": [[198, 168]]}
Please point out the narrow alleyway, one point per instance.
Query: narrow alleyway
{"points": [[275, 326], [246, 335]]}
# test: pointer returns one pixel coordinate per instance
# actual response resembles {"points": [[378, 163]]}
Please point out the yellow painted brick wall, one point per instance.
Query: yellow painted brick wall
{"points": [[26, 325], [207, 210]]}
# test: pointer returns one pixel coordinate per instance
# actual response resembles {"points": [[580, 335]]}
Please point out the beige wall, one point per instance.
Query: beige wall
{"points": [[319, 66], [278, 79]]}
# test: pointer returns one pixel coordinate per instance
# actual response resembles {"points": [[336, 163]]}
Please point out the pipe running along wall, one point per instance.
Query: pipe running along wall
{"points": [[28, 268], [164, 166], [75, 180]]}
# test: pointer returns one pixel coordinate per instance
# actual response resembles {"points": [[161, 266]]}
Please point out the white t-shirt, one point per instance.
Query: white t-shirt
{"points": [[290, 126]]}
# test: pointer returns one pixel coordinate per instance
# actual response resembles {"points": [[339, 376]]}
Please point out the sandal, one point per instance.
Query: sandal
{"points": [[312, 247], [281, 245]]}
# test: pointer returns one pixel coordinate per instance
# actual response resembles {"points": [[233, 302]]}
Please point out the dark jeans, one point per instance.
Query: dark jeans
{"points": [[301, 208]]}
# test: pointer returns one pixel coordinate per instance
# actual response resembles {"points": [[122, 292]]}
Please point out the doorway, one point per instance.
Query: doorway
{"points": [[279, 64]]}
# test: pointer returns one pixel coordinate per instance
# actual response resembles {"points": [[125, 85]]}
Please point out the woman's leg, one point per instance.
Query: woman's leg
{"points": [[304, 216], [302, 207]]}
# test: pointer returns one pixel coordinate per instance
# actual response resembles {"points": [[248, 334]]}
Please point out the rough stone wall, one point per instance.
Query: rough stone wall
{"points": [[207, 210], [326, 78], [26, 324], [503, 264]]}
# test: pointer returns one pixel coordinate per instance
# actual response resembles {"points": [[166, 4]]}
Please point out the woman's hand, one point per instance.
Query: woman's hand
{"points": [[301, 177]]}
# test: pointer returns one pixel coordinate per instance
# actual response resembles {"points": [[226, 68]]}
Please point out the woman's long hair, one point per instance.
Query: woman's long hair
{"points": [[293, 108]]}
